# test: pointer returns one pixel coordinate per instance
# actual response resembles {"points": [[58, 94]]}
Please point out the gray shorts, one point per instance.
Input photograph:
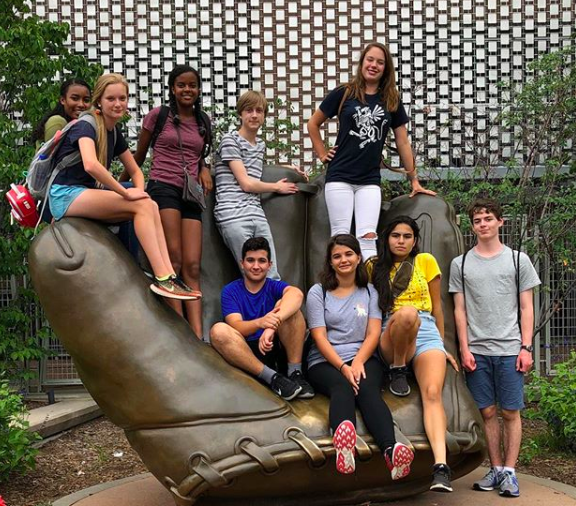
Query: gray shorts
{"points": [[235, 234]]}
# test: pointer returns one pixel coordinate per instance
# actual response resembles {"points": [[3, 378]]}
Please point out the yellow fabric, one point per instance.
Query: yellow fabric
{"points": [[417, 294], [53, 124], [370, 263]]}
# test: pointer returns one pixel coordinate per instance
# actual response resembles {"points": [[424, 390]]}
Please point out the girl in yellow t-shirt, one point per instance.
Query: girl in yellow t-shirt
{"points": [[408, 286]]}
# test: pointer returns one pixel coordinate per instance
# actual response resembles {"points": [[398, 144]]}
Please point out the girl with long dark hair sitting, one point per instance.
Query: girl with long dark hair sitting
{"points": [[345, 322], [408, 286]]}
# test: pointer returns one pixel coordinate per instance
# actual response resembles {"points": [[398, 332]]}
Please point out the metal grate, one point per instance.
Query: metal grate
{"points": [[58, 368], [7, 291], [449, 56]]}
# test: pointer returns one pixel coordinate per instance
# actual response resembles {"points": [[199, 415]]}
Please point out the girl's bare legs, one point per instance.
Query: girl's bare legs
{"points": [[171, 224], [160, 237], [398, 341], [191, 256], [109, 206], [430, 370]]}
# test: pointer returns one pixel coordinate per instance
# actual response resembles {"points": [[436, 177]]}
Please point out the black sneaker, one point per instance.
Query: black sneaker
{"points": [[398, 381], [307, 391], [285, 387], [441, 478]]}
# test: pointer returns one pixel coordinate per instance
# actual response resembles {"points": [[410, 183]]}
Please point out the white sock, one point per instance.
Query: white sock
{"points": [[499, 468], [510, 470]]}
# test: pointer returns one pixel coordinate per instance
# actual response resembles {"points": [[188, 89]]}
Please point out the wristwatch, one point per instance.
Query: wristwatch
{"points": [[529, 348]]}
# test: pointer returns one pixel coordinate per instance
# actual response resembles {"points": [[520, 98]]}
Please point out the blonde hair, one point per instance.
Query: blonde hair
{"points": [[251, 99], [101, 132], [387, 85]]}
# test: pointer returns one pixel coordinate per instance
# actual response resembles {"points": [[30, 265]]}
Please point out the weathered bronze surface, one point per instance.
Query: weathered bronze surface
{"points": [[210, 433]]}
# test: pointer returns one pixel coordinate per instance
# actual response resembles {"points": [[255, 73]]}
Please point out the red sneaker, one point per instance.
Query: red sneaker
{"points": [[398, 460], [345, 444]]}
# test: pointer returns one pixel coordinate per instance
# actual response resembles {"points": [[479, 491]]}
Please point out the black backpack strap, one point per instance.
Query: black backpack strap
{"points": [[208, 126], [160, 122], [517, 270]]}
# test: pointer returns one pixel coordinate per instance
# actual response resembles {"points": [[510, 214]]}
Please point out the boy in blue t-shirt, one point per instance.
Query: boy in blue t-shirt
{"points": [[255, 310]]}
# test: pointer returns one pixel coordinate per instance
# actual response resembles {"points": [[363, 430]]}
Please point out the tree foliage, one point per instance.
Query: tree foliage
{"points": [[33, 61], [536, 180]]}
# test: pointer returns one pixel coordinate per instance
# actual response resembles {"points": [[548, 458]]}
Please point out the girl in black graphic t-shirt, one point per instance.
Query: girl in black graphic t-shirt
{"points": [[367, 107]]}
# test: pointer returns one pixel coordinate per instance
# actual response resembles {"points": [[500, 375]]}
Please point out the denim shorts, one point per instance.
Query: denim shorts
{"points": [[61, 197], [428, 337], [496, 381]]}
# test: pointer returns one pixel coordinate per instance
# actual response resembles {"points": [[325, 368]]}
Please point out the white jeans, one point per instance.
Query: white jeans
{"points": [[363, 201]]}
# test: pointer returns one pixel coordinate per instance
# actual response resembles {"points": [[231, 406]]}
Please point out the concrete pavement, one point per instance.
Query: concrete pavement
{"points": [[145, 490]]}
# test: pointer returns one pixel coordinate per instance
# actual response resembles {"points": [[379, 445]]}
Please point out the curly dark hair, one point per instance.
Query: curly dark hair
{"points": [[38, 133], [202, 119], [381, 273], [328, 278]]}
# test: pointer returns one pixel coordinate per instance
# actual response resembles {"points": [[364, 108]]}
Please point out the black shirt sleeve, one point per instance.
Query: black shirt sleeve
{"points": [[399, 117], [121, 144], [331, 102], [79, 130]]}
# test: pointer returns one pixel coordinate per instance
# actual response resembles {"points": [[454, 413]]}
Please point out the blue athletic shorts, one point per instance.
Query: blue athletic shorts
{"points": [[428, 337], [496, 381], [61, 196]]}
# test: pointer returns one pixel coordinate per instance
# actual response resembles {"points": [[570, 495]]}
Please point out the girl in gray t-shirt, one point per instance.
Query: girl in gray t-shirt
{"points": [[345, 322]]}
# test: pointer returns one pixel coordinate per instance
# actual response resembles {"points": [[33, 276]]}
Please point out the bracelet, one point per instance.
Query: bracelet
{"points": [[343, 364], [411, 175]]}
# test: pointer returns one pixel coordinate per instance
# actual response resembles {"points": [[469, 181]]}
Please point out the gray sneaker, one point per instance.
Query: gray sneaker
{"points": [[509, 485], [491, 481]]}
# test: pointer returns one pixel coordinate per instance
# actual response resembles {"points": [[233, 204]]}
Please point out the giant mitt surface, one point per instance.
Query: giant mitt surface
{"points": [[210, 433]]}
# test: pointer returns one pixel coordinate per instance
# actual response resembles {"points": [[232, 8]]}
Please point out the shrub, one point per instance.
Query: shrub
{"points": [[16, 453], [556, 398], [33, 59]]}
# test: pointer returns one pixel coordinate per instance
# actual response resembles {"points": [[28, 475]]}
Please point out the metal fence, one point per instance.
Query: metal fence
{"points": [[57, 368]]}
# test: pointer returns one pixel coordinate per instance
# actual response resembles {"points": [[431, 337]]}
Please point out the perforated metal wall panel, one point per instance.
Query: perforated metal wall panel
{"points": [[449, 55]]}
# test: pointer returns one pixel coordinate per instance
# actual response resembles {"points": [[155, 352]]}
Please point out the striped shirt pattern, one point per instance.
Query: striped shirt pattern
{"points": [[233, 203]]}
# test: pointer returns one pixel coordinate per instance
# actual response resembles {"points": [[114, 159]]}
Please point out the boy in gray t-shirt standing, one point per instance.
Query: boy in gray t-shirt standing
{"points": [[494, 313], [239, 162]]}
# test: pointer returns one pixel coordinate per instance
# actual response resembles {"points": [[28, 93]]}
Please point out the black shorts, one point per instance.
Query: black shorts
{"points": [[168, 196], [270, 359]]}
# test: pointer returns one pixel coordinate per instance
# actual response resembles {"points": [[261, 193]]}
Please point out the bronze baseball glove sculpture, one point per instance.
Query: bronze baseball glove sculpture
{"points": [[210, 433]]}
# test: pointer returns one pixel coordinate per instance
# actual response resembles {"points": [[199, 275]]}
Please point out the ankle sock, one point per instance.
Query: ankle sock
{"points": [[510, 470], [388, 452], [267, 374], [499, 468], [294, 367], [163, 278]]}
